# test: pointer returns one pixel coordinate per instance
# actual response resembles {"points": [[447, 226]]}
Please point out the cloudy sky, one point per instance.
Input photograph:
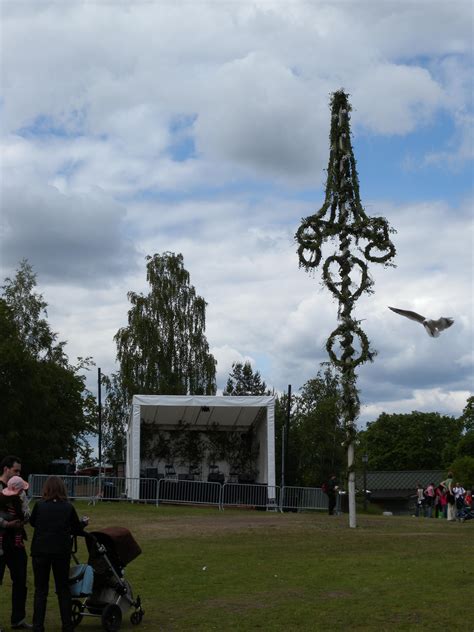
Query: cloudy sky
{"points": [[137, 127]]}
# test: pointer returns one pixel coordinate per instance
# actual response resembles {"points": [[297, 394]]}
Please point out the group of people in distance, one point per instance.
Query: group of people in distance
{"points": [[447, 500], [55, 521]]}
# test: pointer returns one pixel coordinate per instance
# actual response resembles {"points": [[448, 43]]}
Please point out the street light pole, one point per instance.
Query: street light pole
{"points": [[99, 410], [284, 439]]}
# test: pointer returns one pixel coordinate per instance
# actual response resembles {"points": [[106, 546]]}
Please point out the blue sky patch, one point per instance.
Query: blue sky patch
{"points": [[45, 126]]}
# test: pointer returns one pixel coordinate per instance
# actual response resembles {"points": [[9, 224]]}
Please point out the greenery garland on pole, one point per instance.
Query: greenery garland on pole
{"points": [[342, 216]]}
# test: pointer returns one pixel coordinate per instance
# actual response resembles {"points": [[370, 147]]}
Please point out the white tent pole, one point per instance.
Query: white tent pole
{"points": [[271, 445]]}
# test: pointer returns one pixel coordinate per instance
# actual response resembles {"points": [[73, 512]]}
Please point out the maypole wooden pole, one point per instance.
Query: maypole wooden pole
{"points": [[342, 217]]}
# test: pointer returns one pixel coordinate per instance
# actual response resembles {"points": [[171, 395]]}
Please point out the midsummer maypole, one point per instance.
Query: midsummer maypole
{"points": [[343, 218]]}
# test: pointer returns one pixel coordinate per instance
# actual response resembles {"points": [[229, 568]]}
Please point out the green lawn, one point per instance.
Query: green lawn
{"points": [[202, 569]]}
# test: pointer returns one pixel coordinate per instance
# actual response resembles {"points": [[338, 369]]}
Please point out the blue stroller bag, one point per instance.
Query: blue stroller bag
{"points": [[81, 580]]}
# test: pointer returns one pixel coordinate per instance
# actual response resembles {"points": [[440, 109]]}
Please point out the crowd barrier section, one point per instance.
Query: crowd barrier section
{"points": [[183, 492], [187, 492], [78, 487], [118, 488], [304, 498], [248, 495]]}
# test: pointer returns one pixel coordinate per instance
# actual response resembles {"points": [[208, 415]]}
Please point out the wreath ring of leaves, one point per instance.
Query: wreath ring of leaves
{"points": [[344, 331]]}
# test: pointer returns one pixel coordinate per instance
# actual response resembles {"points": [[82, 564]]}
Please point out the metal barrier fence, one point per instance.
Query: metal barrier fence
{"points": [[185, 492], [113, 488], [94, 488], [307, 498], [244, 495], [78, 487], [304, 498]]}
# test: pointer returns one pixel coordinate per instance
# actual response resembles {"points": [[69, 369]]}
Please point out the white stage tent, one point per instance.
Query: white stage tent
{"points": [[232, 413]]}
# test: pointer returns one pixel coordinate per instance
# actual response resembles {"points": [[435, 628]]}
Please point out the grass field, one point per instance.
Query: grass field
{"points": [[202, 569]]}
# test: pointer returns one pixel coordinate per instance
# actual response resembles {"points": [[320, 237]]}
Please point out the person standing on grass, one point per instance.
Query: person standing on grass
{"points": [[331, 491], [14, 557], [459, 492], [14, 508], [55, 521], [420, 500], [440, 502], [448, 486], [429, 499]]}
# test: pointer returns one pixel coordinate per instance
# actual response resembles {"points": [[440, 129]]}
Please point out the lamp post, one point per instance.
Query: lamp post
{"points": [[99, 410], [285, 431], [365, 459]]}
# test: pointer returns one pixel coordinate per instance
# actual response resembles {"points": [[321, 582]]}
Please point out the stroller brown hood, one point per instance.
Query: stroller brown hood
{"points": [[120, 542]]}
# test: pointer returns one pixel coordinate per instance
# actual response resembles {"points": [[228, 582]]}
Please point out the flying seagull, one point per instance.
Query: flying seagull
{"points": [[433, 327]]}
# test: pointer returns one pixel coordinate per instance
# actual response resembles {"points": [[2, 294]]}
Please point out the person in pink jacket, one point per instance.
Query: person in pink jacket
{"points": [[440, 502]]}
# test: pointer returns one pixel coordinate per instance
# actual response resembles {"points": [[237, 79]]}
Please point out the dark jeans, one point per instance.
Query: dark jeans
{"points": [[42, 566], [331, 503], [15, 559]]}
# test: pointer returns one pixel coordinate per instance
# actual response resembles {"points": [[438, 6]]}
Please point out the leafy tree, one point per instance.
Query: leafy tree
{"points": [[163, 349], [316, 433], [414, 441], [465, 446], [47, 410], [115, 414], [29, 310], [244, 381], [317, 429], [468, 414], [463, 470]]}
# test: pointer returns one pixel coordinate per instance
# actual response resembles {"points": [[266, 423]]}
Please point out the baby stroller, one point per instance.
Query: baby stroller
{"points": [[466, 513], [101, 581]]}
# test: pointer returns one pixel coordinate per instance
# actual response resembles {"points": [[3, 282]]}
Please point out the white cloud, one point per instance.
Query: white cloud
{"points": [[257, 77], [444, 402], [251, 121], [97, 101], [65, 237], [394, 99]]}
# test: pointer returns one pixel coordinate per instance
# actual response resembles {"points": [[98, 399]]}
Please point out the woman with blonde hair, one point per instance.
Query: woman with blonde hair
{"points": [[55, 521]]}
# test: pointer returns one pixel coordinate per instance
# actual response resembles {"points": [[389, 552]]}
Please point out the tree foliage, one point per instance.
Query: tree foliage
{"points": [[115, 415], [468, 414], [316, 431], [413, 441], [465, 446], [244, 381], [47, 411], [463, 470], [163, 349], [29, 312]]}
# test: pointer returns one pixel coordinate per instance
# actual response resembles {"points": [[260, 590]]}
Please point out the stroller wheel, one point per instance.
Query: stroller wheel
{"points": [[76, 612], [111, 617], [136, 617]]}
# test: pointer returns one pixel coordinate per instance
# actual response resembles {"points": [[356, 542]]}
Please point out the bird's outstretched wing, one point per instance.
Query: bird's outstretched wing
{"points": [[408, 314]]}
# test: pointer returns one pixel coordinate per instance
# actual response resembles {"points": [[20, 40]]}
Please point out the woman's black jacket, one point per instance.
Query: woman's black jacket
{"points": [[55, 522]]}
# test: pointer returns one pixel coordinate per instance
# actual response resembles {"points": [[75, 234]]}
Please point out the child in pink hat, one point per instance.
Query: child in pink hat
{"points": [[13, 506]]}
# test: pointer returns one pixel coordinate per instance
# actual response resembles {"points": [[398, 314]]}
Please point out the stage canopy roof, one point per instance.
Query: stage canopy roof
{"points": [[201, 411]]}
